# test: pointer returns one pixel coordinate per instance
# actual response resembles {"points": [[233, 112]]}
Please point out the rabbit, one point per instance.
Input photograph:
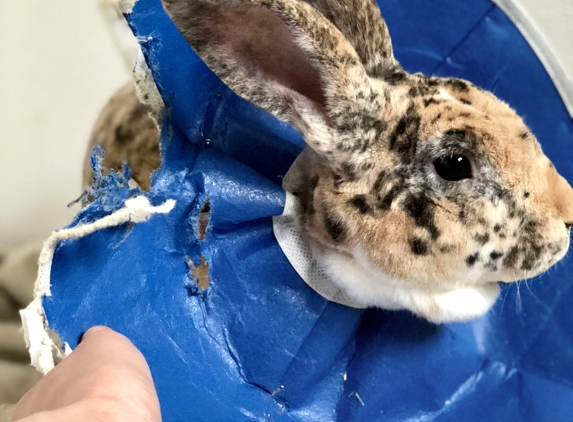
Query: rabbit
{"points": [[418, 193], [127, 133]]}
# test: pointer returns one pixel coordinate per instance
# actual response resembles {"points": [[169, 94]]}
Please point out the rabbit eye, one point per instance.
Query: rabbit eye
{"points": [[453, 168]]}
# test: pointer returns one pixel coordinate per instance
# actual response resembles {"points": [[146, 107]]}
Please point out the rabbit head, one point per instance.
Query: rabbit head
{"points": [[421, 192]]}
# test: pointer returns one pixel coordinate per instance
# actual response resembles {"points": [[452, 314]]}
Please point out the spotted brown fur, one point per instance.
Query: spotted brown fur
{"points": [[374, 132], [128, 135]]}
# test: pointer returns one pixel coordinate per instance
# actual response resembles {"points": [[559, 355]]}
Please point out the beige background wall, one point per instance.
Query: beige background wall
{"points": [[58, 65]]}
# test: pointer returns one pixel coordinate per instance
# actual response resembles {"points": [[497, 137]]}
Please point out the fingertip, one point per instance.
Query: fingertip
{"points": [[93, 330]]}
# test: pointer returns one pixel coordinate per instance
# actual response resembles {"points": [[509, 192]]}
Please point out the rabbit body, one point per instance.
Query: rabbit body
{"points": [[418, 192], [127, 134]]}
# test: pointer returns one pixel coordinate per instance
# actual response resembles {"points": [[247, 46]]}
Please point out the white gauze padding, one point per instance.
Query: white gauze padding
{"points": [[42, 348], [304, 259]]}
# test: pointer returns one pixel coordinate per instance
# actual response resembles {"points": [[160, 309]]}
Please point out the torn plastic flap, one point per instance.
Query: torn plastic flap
{"points": [[259, 344]]}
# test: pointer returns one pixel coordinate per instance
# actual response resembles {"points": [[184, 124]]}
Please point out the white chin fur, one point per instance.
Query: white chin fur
{"points": [[368, 286]]}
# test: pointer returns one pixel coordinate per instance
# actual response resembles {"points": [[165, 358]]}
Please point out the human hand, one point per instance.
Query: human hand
{"points": [[104, 379]]}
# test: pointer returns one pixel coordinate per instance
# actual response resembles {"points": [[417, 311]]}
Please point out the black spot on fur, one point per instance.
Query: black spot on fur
{"points": [[530, 229], [337, 180], [457, 85], [555, 248], [381, 180], [446, 248], [464, 137], [404, 138], [335, 229], [524, 135], [418, 246], [314, 182], [386, 201], [421, 209], [497, 228], [435, 119], [472, 259], [528, 264], [457, 133], [511, 258], [365, 145], [414, 91], [360, 203], [466, 102], [422, 87], [349, 172], [351, 122], [366, 166], [429, 101], [395, 77], [532, 256], [465, 114], [526, 194], [495, 255], [482, 239], [379, 126]]}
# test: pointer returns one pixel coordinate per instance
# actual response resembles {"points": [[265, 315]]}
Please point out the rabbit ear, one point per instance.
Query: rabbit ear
{"points": [[287, 58], [362, 24]]}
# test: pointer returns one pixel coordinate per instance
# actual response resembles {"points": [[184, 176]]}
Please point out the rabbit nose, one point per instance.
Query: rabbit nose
{"points": [[562, 198]]}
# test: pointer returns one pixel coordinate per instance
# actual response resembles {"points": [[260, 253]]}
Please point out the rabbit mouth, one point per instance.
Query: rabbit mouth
{"points": [[532, 257], [529, 261]]}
